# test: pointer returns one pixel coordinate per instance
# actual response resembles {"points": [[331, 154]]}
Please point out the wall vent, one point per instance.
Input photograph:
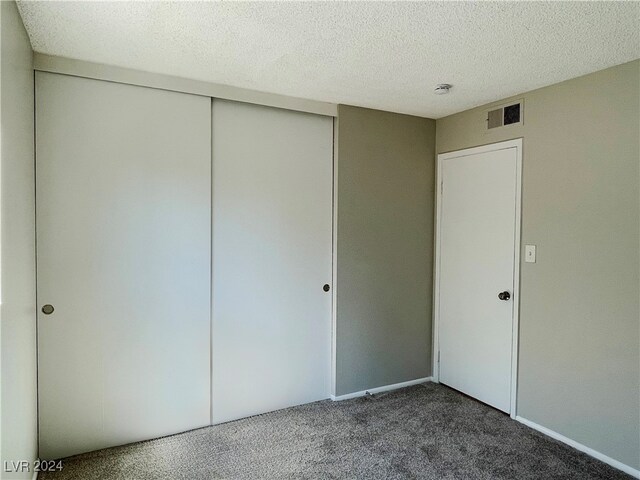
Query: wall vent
{"points": [[510, 114]]}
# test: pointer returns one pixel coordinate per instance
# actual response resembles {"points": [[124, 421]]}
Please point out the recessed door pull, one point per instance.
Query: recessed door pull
{"points": [[326, 287], [47, 309]]}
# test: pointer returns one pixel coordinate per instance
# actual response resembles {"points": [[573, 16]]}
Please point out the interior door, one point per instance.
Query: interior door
{"points": [[123, 256], [272, 241], [477, 251]]}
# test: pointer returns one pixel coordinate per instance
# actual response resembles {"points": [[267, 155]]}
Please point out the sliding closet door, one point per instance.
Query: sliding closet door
{"points": [[123, 232], [272, 219]]}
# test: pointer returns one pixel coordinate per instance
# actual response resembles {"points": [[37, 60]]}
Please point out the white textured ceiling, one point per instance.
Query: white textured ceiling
{"points": [[385, 55]]}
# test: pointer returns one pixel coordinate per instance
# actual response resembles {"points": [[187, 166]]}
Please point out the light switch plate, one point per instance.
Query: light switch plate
{"points": [[530, 253]]}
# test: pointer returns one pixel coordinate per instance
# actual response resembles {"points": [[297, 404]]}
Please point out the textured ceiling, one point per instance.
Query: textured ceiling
{"points": [[385, 55]]}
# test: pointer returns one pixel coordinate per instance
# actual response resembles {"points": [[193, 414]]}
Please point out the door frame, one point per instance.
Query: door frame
{"points": [[517, 144]]}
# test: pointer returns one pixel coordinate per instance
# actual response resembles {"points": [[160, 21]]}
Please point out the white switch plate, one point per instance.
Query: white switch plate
{"points": [[530, 253]]}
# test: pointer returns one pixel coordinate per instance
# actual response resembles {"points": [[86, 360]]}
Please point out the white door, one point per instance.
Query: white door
{"points": [[477, 254], [123, 253], [272, 240]]}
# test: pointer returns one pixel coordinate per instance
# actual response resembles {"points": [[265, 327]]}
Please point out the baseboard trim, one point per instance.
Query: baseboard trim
{"points": [[386, 388], [578, 446]]}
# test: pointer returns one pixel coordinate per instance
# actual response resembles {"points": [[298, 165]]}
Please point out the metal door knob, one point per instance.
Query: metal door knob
{"points": [[47, 309], [504, 295], [326, 287]]}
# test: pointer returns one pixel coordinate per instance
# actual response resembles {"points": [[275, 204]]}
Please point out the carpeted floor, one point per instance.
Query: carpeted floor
{"points": [[428, 431]]}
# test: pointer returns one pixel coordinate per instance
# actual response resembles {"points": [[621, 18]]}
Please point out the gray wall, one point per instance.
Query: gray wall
{"points": [[385, 182], [17, 281], [579, 369]]}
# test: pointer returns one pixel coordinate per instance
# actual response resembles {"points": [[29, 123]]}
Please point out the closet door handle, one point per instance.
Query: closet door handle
{"points": [[47, 309], [504, 295]]}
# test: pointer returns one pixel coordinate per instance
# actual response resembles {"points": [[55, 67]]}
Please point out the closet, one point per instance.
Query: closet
{"points": [[184, 251]]}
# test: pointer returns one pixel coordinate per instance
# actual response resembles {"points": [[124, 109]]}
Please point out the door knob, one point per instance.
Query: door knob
{"points": [[326, 287], [47, 309], [504, 295]]}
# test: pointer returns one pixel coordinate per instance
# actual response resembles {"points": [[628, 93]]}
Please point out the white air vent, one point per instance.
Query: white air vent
{"points": [[509, 114]]}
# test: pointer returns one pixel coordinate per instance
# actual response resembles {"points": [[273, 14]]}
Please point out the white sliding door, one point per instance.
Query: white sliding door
{"points": [[272, 224], [123, 232]]}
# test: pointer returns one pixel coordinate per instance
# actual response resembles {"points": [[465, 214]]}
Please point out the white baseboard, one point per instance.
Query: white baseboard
{"points": [[386, 388], [583, 448]]}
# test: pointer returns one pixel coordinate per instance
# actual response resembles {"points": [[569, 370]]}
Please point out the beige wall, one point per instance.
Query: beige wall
{"points": [[385, 185], [579, 370], [18, 333]]}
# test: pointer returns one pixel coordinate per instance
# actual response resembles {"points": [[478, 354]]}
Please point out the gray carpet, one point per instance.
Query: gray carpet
{"points": [[428, 431]]}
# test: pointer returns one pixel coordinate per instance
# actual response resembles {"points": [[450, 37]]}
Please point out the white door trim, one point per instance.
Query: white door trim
{"points": [[334, 265], [517, 144]]}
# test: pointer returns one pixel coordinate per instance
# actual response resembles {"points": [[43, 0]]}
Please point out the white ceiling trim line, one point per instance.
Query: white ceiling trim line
{"points": [[98, 71]]}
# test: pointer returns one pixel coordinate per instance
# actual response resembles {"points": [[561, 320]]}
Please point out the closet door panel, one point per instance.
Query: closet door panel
{"points": [[124, 253], [272, 240]]}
